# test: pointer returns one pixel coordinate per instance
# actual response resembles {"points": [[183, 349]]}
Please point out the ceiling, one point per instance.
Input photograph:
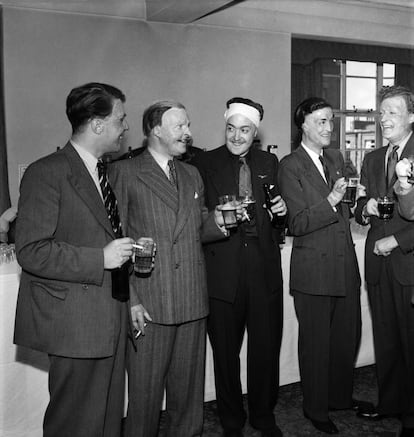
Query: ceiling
{"points": [[172, 11]]}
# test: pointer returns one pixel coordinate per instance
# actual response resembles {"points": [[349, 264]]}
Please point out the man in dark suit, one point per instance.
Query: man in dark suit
{"points": [[69, 250], [163, 198], [389, 268], [324, 275], [244, 276]]}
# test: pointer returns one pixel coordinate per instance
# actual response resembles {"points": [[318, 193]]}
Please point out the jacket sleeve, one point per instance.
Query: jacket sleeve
{"points": [[38, 250], [308, 210]]}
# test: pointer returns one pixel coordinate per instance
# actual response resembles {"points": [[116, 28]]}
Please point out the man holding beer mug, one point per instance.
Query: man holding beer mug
{"points": [[389, 262]]}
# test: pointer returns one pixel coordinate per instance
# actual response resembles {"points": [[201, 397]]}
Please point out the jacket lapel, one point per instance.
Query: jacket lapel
{"points": [[311, 172], [222, 174], [85, 187], [152, 175], [186, 190]]}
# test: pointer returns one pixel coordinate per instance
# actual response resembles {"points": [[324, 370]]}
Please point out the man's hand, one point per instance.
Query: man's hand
{"points": [[6, 218], [372, 207], [385, 246], [403, 170], [278, 206], [139, 315], [338, 191], [117, 252]]}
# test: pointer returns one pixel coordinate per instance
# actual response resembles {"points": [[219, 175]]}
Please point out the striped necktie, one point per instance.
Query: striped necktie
{"points": [[172, 173], [109, 199]]}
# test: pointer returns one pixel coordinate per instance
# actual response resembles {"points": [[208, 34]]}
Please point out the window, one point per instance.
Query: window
{"points": [[352, 88]]}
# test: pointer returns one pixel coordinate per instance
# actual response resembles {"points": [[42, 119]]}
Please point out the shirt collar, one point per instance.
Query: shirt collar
{"points": [[315, 156], [401, 146], [87, 157], [160, 158]]}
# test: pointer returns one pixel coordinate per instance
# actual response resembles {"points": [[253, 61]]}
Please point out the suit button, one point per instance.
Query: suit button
{"points": [[85, 286], [177, 265]]}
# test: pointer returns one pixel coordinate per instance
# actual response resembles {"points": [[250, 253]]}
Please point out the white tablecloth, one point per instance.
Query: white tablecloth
{"points": [[23, 373]]}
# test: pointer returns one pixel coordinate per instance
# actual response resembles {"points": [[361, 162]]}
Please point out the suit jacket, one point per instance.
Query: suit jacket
{"points": [[373, 178], [405, 201], [64, 306], [175, 291], [223, 257], [323, 254]]}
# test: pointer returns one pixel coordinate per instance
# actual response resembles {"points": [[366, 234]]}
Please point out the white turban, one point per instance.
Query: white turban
{"points": [[246, 110]]}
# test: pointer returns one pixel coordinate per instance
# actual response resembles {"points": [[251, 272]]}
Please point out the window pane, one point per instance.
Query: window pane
{"points": [[365, 69], [360, 139], [360, 93], [389, 70], [388, 82]]}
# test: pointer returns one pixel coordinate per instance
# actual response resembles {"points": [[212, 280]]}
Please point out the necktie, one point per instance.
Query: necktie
{"points": [[173, 173], [325, 170], [120, 277], [109, 199], [245, 178], [391, 163]]}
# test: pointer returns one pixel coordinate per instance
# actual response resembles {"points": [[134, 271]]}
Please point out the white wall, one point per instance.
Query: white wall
{"points": [[244, 51], [46, 54]]}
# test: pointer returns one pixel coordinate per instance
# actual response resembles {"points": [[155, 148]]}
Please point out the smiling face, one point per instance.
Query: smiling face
{"points": [[240, 133], [174, 132], [317, 129], [395, 119]]}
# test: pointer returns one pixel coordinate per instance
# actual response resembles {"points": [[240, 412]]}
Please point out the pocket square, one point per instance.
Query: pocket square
{"points": [[195, 195]]}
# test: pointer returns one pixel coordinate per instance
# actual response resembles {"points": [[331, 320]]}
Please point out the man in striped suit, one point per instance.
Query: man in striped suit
{"points": [[163, 198]]}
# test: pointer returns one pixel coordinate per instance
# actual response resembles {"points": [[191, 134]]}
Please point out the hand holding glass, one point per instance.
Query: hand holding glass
{"points": [[385, 207], [351, 190], [248, 201], [228, 207], [143, 255]]}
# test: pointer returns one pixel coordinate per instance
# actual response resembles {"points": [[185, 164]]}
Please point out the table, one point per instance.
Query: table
{"points": [[23, 373]]}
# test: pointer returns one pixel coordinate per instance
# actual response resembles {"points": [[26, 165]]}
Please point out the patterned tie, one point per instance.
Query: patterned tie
{"points": [[391, 163], [173, 173], [109, 198], [120, 276], [245, 178], [325, 170]]}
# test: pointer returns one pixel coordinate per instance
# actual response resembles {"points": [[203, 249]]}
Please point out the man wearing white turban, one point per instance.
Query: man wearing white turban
{"points": [[244, 275]]}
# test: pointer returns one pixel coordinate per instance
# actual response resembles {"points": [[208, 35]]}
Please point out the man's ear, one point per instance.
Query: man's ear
{"points": [[156, 130], [97, 126]]}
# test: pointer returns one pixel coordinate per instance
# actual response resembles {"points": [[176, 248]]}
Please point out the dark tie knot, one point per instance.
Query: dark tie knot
{"points": [[101, 167]]}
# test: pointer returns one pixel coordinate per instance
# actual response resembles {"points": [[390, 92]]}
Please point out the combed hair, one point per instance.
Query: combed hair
{"points": [[92, 100], [307, 107], [398, 90], [153, 114]]}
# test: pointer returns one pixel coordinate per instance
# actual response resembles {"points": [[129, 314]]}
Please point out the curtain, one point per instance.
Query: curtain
{"points": [[4, 178]]}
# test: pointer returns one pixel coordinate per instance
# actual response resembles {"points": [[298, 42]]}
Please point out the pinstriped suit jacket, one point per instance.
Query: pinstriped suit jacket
{"points": [[176, 290]]}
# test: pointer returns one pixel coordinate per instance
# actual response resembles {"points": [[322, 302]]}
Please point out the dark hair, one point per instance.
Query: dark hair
{"points": [[306, 107], [397, 90], [249, 102], [153, 114], [92, 100]]}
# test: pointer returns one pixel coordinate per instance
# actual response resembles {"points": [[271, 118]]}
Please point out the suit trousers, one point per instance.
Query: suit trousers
{"points": [[87, 395], [393, 326], [329, 336], [170, 357], [261, 312]]}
